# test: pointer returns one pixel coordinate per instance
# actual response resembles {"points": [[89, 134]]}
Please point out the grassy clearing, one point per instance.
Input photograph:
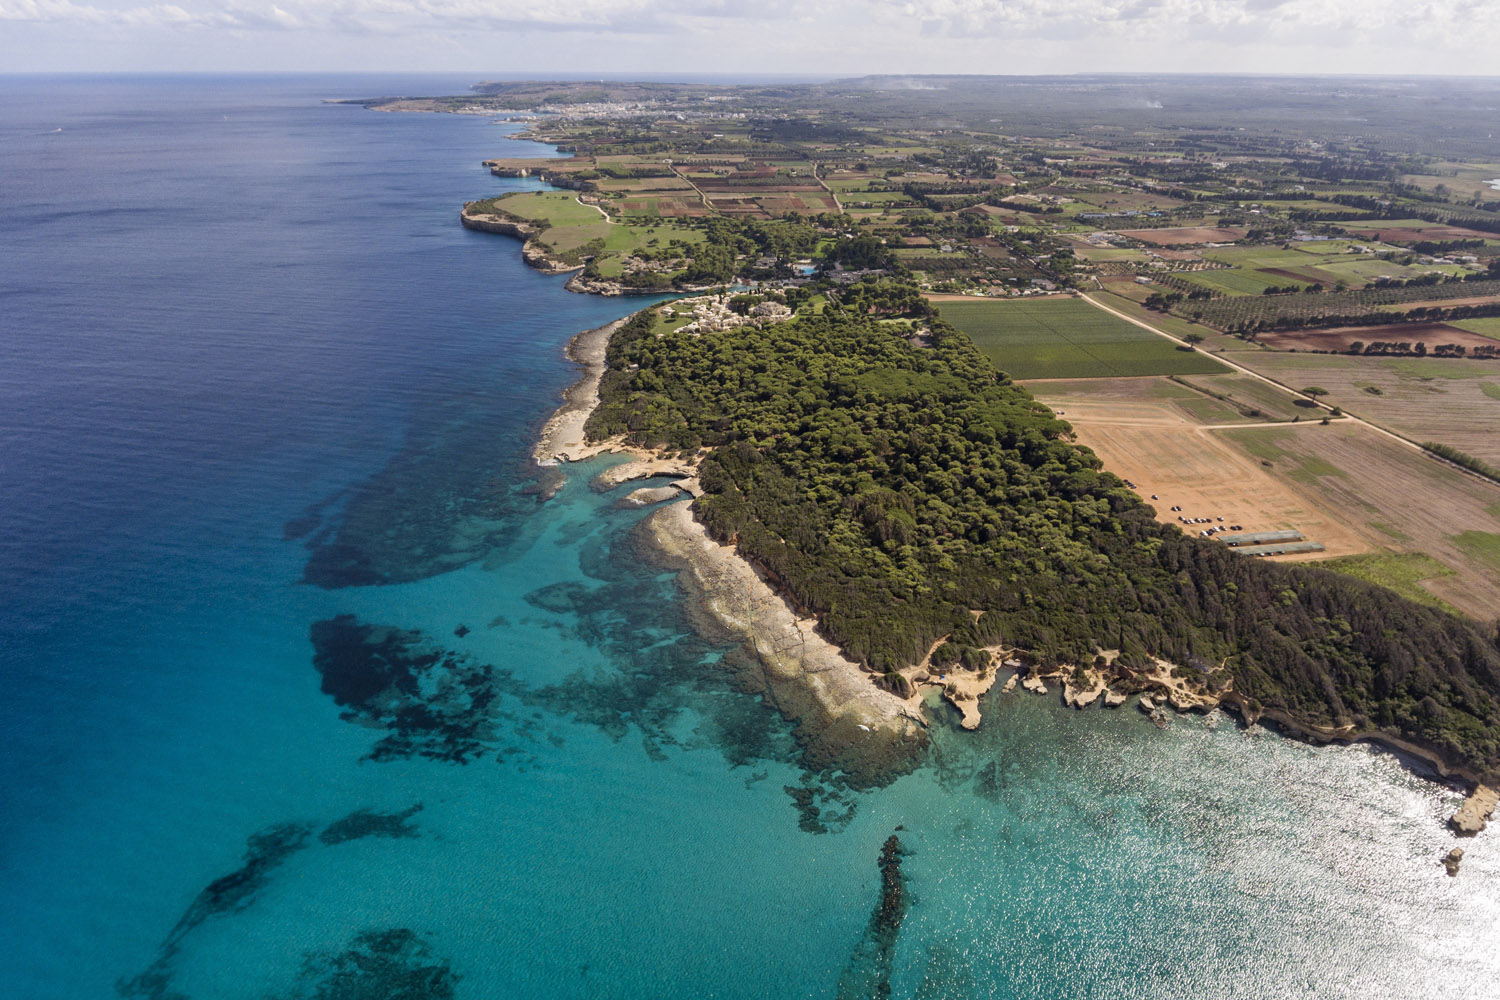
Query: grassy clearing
{"points": [[1401, 572], [1485, 326], [1249, 395], [1068, 338], [1290, 462], [560, 208], [1481, 546]]}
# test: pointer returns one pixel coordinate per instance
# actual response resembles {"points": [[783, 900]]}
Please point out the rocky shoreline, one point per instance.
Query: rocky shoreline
{"points": [[562, 438], [533, 253], [844, 718]]}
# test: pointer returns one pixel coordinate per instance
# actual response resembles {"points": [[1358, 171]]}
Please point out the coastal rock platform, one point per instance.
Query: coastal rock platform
{"points": [[648, 495], [843, 719], [563, 438], [1475, 813]]}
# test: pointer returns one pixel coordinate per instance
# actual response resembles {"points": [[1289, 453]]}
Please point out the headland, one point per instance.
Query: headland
{"points": [[876, 471]]}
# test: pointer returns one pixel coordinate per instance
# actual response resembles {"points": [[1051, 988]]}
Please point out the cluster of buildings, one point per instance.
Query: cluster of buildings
{"points": [[711, 314]]}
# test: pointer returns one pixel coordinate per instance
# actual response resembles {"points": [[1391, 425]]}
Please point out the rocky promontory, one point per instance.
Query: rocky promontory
{"points": [[1475, 813], [531, 250]]}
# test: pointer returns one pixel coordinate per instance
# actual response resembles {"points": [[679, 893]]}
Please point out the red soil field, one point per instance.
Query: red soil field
{"points": [[1339, 338], [1419, 235], [1185, 235]]}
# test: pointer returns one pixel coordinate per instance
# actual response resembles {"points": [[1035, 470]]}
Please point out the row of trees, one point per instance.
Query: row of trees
{"points": [[1356, 307], [1404, 348]]}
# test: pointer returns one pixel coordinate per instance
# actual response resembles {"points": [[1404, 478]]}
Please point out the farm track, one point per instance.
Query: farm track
{"points": [[1407, 493], [612, 222], [1223, 359], [689, 181], [831, 192]]}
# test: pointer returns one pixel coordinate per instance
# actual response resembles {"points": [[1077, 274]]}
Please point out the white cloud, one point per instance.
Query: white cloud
{"points": [[836, 36], [578, 15], [1356, 19]]}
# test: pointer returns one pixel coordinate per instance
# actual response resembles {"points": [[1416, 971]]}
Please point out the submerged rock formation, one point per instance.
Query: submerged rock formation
{"points": [[868, 974]]}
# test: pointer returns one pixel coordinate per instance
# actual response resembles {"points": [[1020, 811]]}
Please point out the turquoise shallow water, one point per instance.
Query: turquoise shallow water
{"points": [[256, 379]]}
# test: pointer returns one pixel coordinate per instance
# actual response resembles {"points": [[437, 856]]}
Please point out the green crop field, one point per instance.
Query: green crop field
{"points": [[1485, 326], [1233, 282], [1068, 338]]}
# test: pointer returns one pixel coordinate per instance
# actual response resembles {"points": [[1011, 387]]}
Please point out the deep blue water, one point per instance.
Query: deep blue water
{"points": [[254, 377]]}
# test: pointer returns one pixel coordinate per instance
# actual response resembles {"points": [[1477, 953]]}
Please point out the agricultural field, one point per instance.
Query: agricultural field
{"points": [[1339, 338], [1231, 281], [1262, 311], [1328, 263], [1068, 338], [572, 228], [1411, 231], [1397, 498], [1485, 326], [1154, 399], [1186, 464], [1186, 235], [1450, 401], [1470, 181]]}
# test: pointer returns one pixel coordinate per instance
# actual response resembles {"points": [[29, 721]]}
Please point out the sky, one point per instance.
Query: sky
{"points": [[822, 37]]}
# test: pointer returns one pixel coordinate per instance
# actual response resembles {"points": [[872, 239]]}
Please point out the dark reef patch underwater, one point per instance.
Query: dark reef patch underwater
{"points": [[377, 961], [868, 974], [393, 964]]}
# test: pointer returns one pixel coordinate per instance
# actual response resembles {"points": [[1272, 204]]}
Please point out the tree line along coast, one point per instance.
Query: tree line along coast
{"points": [[888, 480]]}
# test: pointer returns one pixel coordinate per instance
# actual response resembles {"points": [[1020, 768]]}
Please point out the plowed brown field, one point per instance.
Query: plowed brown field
{"points": [[1340, 337], [1399, 498]]}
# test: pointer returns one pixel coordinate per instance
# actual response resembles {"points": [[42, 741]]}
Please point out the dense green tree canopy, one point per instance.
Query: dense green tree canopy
{"points": [[892, 489]]}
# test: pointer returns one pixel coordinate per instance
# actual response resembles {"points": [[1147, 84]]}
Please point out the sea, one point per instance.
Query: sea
{"points": [[308, 693]]}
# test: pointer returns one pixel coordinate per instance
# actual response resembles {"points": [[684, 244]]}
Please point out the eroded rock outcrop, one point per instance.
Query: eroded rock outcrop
{"points": [[1475, 813]]}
